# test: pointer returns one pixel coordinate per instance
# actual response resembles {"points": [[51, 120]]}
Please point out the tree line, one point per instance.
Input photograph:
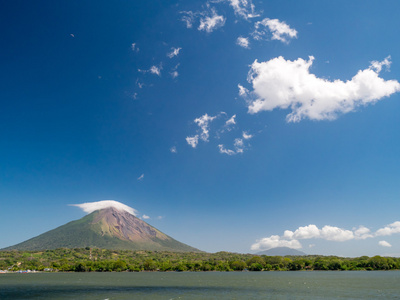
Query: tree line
{"points": [[103, 260]]}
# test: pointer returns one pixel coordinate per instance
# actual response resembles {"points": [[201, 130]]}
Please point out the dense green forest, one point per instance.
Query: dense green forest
{"points": [[101, 260]]}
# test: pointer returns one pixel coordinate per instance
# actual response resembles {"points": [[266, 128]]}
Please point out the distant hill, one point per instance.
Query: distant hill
{"points": [[281, 251], [107, 228]]}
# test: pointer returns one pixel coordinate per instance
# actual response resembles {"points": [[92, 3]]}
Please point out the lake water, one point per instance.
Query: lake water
{"points": [[207, 285]]}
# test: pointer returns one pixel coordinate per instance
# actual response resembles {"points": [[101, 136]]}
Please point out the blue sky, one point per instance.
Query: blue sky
{"points": [[229, 125]]}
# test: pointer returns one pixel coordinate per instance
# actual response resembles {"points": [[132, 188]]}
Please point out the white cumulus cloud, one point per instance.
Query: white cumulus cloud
{"points": [[274, 241], [285, 84], [389, 229], [280, 30], [327, 232], [173, 149], [90, 207], [384, 244], [362, 233], [145, 217]]}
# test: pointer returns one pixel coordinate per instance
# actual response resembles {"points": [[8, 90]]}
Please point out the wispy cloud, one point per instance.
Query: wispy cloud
{"points": [[223, 150], [156, 70], [280, 30], [244, 8], [174, 72], [174, 52], [280, 83], [189, 18], [134, 47], [203, 122], [173, 149], [145, 217], [239, 144], [209, 20], [141, 177]]}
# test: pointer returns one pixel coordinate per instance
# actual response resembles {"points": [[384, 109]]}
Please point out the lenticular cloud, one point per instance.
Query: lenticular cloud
{"points": [[90, 207], [280, 83]]}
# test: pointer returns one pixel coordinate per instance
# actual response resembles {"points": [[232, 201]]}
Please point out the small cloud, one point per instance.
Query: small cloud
{"points": [[135, 95], [145, 217], [173, 149], [141, 177], [72, 35], [174, 52], [243, 42], [174, 74], [384, 244], [389, 229], [231, 121], [193, 140], [223, 150], [203, 122], [311, 246], [134, 47], [160, 217], [242, 91], [139, 84], [246, 136], [155, 70]]}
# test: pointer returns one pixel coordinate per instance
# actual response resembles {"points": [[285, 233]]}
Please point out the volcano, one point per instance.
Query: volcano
{"points": [[108, 228]]}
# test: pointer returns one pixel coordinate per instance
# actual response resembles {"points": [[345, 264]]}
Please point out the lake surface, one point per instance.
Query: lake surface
{"points": [[203, 285]]}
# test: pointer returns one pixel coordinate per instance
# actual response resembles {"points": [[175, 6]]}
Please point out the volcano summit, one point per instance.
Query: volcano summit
{"points": [[113, 226]]}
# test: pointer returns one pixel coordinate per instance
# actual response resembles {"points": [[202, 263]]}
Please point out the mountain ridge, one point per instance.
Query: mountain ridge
{"points": [[281, 251]]}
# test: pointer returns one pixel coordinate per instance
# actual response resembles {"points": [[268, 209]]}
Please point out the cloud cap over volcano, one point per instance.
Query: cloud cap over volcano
{"points": [[90, 207]]}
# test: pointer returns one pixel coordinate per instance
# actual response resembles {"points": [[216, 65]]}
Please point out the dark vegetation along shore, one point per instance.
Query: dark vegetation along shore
{"points": [[101, 260]]}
